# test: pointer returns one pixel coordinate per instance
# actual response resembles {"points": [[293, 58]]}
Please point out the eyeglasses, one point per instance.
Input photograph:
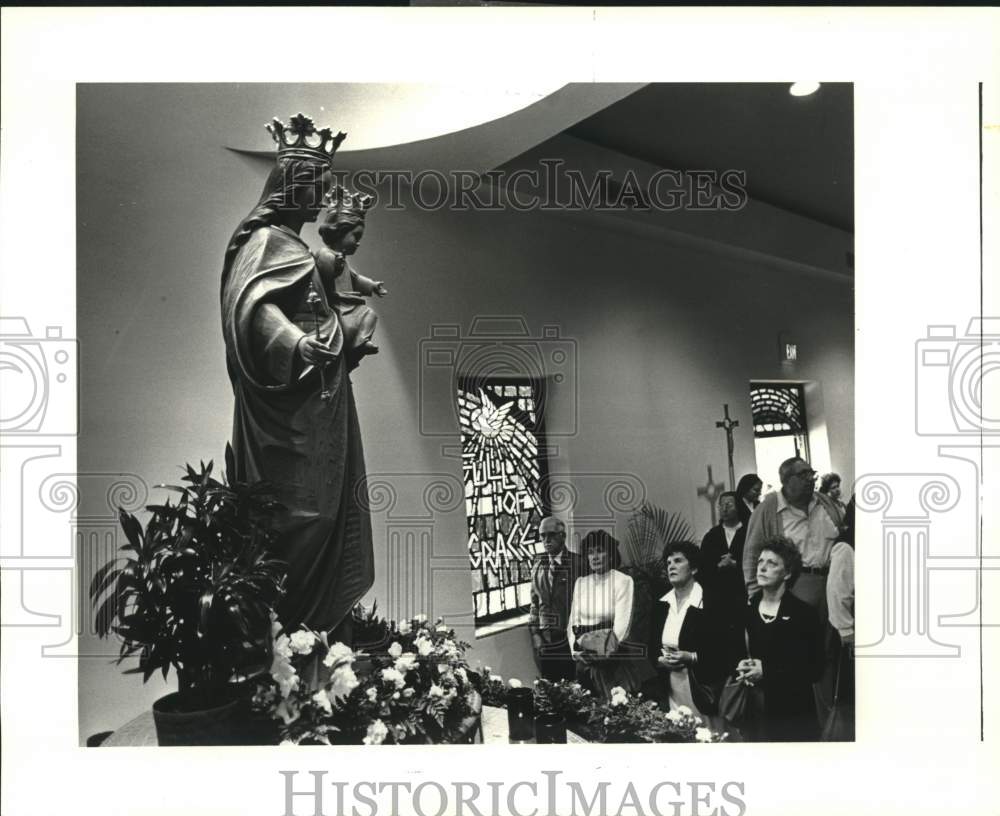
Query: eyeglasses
{"points": [[806, 475]]}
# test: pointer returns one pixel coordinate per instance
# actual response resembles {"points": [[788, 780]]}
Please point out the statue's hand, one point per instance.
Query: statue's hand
{"points": [[314, 352], [380, 289]]}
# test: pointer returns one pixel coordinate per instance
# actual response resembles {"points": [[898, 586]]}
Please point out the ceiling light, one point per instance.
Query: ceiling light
{"points": [[803, 88]]}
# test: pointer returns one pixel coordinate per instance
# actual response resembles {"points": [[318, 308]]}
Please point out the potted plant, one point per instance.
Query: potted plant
{"points": [[558, 704], [196, 590]]}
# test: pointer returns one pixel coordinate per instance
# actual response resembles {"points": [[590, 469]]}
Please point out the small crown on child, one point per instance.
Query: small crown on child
{"points": [[343, 201], [301, 139]]}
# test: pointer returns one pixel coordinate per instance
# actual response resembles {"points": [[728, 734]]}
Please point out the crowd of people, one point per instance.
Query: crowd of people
{"points": [[765, 602]]}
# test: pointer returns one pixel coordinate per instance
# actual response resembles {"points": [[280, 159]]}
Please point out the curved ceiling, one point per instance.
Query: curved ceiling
{"points": [[377, 114], [477, 148]]}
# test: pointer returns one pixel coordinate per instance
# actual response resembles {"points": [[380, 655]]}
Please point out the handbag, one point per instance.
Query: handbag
{"points": [[739, 703], [600, 642]]}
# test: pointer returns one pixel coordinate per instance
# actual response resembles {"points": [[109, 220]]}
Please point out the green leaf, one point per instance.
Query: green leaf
{"points": [[204, 610], [133, 530], [101, 579], [230, 464], [105, 616]]}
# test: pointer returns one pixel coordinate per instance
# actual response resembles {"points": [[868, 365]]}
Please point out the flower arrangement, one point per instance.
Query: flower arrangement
{"points": [[491, 687], [564, 698], [415, 691], [624, 718], [628, 718]]}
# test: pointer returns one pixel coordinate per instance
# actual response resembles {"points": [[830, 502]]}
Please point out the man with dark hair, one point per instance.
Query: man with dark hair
{"points": [[553, 576], [806, 517]]}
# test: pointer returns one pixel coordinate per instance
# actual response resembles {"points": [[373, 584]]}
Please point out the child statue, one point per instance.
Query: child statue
{"points": [[341, 231]]}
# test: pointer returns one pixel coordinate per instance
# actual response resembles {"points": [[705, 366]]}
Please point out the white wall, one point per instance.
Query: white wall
{"points": [[663, 336]]}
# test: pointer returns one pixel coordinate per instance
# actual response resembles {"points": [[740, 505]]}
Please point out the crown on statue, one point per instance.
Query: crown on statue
{"points": [[300, 139], [344, 202]]}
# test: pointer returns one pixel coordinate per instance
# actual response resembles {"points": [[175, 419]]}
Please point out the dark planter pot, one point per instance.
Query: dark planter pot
{"points": [[550, 729], [230, 722], [521, 714], [471, 730]]}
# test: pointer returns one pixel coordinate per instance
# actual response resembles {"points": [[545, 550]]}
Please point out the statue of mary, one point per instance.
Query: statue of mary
{"points": [[295, 424]]}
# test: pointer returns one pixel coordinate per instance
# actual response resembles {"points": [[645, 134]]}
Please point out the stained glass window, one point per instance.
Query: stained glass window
{"points": [[503, 471]]}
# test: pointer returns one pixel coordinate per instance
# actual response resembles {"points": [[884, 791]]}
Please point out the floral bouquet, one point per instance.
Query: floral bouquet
{"points": [[416, 691], [629, 718], [491, 687], [563, 698]]}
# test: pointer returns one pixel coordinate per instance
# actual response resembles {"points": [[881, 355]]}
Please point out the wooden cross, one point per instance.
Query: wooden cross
{"points": [[710, 492], [728, 424]]}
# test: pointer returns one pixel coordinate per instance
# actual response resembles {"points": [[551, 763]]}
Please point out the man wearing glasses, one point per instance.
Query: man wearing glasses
{"points": [[805, 516]]}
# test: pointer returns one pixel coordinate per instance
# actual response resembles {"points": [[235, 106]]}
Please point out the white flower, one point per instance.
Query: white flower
{"points": [[396, 649], [487, 670], [282, 647], [302, 642], [408, 693], [424, 646], [343, 681], [461, 674], [395, 695], [275, 624], [442, 628], [406, 662], [322, 699], [496, 678], [674, 716], [376, 734], [684, 710], [404, 627], [288, 710], [372, 693], [449, 649], [703, 735], [393, 676], [435, 691], [339, 653], [607, 720], [514, 682], [618, 696], [284, 674]]}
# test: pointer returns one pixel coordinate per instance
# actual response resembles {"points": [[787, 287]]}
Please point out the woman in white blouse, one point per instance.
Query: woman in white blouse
{"points": [[685, 637], [600, 619]]}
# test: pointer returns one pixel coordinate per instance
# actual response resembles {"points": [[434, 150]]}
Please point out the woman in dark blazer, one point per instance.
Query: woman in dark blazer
{"points": [[786, 648], [685, 643]]}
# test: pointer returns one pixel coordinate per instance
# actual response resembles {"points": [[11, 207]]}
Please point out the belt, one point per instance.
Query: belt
{"points": [[816, 570]]}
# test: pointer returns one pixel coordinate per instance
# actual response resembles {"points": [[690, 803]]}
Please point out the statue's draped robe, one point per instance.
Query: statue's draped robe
{"points": [[285, 433]]}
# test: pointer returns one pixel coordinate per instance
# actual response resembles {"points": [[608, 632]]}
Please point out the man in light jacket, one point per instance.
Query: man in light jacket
{"points": [[808, 518]]}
